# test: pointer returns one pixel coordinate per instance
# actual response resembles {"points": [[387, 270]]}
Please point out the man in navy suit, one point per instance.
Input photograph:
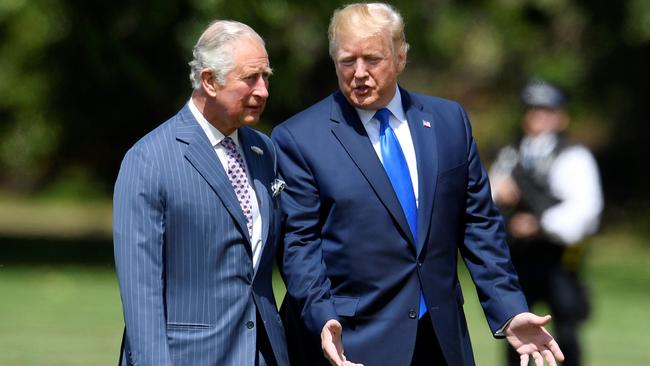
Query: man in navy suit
{"points": [[196, 219], [384, 189]]}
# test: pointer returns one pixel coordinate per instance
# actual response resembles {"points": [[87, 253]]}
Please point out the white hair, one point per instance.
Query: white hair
{"points": [[212, 50]]}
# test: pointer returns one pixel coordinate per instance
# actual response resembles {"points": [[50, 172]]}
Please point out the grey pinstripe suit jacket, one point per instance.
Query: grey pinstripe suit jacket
{"points": [[182, 252]]}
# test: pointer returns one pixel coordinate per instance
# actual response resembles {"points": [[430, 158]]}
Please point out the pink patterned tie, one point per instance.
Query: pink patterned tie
{"points": [[239, 180]]}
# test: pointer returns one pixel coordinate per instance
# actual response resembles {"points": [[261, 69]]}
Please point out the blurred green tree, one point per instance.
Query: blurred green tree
{"points": [[80, 82]]}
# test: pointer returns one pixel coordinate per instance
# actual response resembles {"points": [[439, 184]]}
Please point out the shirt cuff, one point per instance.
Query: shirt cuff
{"points": [[501, 332]]}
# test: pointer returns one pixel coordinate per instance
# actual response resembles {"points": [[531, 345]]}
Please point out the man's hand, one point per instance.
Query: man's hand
{"points": [[506, 192], [330, 338], [524, 226], [526, 333]]}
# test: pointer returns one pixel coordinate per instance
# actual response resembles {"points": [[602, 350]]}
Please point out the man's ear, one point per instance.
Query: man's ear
{"points": [[209, 82], [401, 60]]}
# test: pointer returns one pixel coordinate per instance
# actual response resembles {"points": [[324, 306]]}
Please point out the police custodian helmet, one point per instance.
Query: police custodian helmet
{"points": [[540, 93]]}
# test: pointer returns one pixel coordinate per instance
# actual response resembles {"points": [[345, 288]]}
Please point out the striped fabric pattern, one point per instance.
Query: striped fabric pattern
{"points": [[183, 254]]}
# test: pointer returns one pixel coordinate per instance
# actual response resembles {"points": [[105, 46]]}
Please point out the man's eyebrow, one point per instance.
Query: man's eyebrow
{"points": [[266, 70]]}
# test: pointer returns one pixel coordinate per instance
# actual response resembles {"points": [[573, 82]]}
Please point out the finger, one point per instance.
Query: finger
{"points": [[545, 319], [332, 354], [539, 360], [555, 349], [331, 342], [540, 320], [548, 355], [523, 360]]}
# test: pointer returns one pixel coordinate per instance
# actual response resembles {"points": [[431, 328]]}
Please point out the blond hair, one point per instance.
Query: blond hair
{"points": [[365, 20]]}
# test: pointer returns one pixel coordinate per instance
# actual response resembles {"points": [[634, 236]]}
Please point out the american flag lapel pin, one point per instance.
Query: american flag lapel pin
{"points": [[426, 124]]}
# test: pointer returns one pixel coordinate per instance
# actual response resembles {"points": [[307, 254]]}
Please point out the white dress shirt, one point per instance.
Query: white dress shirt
{"points": [[399, 124], [215, 136]]}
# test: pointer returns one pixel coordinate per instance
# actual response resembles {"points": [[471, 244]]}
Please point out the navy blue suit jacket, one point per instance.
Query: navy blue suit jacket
{"points": [[183, 255], [349, 253]]}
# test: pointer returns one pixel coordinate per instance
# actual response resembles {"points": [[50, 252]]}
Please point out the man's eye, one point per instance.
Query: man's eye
{"points": [[251, 78], [346, 63]]}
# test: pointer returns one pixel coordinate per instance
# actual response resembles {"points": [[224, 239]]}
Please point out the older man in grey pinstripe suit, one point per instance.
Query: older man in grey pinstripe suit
{"points": [[196, 219]]}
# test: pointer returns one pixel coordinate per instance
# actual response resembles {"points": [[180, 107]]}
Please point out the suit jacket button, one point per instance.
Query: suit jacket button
{"points": [[250, 324], [413, 314]]}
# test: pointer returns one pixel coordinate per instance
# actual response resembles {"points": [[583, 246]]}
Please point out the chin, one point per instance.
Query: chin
{"points": [[250, 120], [363, 102], [368, 105]]}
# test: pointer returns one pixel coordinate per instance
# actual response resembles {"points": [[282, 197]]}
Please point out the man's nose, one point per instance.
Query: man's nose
{"points": [[360, 69], [261, 87]]}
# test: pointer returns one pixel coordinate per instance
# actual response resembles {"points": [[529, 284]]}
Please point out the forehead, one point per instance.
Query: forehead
{"points": [[355, 45], [542, 112], [250, 56], [254, 66]]}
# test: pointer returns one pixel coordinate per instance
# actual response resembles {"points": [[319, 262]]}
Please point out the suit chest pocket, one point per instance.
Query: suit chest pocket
{"points": [[345, 306]]}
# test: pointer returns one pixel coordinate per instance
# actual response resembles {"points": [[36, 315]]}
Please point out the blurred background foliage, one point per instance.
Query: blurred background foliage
{"points": [[81, 81]]}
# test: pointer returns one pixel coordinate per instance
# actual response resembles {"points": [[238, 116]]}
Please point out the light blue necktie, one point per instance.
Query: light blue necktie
{"points": [[398, 173]]}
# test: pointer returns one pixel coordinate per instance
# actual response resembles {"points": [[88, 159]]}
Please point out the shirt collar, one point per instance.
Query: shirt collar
{"points": [[214, 135], [394, 106]]}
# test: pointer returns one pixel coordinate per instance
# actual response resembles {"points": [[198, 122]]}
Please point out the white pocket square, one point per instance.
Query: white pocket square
{"points": [[277, 186]]}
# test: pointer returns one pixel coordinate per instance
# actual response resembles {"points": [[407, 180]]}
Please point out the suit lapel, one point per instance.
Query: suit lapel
{"points": [[426, 154], [349, 130], [202, 157]]}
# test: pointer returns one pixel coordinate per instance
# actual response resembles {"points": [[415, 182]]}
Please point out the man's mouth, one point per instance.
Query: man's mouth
{"points": [[363, 89], [255, 108]]}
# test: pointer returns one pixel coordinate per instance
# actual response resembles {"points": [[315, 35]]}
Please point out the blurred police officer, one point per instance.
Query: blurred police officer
{"points": [[549, 192]]}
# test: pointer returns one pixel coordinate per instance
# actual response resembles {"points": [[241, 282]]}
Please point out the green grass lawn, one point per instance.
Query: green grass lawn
{"points": [[59, 315], [618, 332], [69, 314]]}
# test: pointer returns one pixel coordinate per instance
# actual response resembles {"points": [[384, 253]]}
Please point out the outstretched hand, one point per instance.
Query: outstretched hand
{"points": [[526, 333], [332, 345]]}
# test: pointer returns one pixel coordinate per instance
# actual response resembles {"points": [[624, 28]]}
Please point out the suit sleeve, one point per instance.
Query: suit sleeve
{"points": [[485, 251], [308, 287], [138, 229]]}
